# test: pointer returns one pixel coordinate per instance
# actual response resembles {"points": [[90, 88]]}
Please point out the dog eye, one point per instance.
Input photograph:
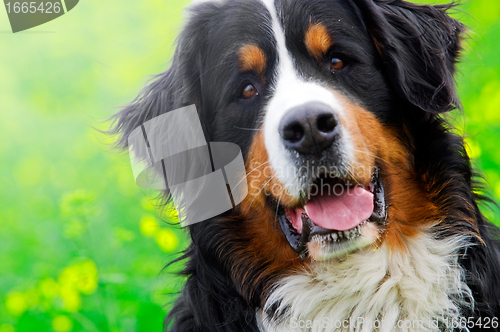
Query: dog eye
{"points": [[249, 91], [336, 63]]}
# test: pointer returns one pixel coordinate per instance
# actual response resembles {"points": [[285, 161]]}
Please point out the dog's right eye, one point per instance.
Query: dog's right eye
{"points": [[249, 91]]}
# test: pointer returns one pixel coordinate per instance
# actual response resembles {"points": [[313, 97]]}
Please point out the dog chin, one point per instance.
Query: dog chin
{"points": [[338, 245]]}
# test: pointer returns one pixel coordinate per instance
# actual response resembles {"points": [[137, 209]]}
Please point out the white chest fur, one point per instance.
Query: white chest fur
{"points": [[418, 290]]}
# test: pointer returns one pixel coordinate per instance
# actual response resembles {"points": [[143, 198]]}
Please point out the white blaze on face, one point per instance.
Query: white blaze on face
{"points": [[291, 91]]}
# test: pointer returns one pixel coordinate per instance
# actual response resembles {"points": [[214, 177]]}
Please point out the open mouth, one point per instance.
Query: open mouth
{"points": [[337, 219]]}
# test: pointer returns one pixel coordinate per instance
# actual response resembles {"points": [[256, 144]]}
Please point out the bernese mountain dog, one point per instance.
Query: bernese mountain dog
{"points": [[362, 207]]}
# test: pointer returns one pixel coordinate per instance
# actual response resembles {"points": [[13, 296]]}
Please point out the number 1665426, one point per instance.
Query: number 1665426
{"points": [[32, 7]]}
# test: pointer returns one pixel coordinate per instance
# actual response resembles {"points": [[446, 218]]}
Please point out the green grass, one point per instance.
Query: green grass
{"points": [[82, 247]]}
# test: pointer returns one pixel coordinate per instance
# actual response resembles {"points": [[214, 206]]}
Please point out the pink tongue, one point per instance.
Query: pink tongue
{"points": [[337, 212]]}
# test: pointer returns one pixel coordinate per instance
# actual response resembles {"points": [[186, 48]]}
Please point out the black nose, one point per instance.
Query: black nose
{"points": [[310, 128]]}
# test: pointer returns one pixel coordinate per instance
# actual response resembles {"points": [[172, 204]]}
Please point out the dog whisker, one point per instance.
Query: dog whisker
{"points": [[250, 129]]}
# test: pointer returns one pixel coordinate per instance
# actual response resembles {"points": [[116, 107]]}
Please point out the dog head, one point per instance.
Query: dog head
{"points": [[325, 99]]}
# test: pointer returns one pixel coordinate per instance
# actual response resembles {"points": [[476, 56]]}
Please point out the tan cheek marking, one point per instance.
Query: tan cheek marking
{"points": [[261, 177], [411, 207], [262, 241], [252, 58], [317, 40]]}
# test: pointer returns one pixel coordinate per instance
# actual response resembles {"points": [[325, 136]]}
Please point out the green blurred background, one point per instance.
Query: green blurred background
{"points": [[81, 247]]}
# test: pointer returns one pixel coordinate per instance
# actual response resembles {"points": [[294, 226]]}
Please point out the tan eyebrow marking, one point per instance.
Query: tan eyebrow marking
{"points": [[252, 58], [317, 40]]}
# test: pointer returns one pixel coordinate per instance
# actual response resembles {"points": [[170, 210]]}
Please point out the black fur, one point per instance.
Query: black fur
{"points": [[402, 66]]}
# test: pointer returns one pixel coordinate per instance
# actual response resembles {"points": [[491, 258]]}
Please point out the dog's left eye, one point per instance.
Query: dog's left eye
{"points": [[336, 63], [249, 91]]}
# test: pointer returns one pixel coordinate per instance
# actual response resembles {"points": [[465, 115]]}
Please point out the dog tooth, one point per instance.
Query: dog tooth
{"points": [[347, 235], [334, 236], [305, 209]]}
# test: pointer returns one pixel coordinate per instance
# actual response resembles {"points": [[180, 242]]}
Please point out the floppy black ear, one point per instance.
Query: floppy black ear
{"points": [[160, 96], [419, 46]]}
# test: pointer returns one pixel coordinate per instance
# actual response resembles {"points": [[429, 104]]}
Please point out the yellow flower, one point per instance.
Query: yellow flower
{"points": [[87, 281], [81, 276], [72, 301], [62, 323], [49, 288], [75, 279], [16, 303], [167, 240], [149, 226]]}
